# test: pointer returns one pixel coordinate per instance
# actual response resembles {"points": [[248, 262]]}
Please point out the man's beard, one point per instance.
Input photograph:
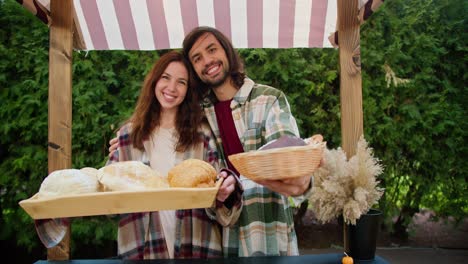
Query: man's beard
{"points": [[217, 83]]}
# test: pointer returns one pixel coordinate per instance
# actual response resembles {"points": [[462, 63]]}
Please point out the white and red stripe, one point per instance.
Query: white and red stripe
{"points": [[239, 23], [162, 24], [143, 32]]}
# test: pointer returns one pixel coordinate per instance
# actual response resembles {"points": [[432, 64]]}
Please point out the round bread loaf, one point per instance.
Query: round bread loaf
{"points": [[93, 172], [192, 173], [130, 176], [67, 182], [90, 171]]}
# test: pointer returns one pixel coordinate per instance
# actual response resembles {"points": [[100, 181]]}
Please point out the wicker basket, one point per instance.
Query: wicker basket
{"points": [[280, 163]]}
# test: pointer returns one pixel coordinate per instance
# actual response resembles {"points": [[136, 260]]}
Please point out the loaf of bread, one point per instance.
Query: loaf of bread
{"points": [[130, 176], [68, 182], [90, 171], [192, 173], [93, 172]]}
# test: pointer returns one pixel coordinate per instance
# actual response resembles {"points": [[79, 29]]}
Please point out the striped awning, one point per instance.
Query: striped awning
{"points": [[162, 24]]}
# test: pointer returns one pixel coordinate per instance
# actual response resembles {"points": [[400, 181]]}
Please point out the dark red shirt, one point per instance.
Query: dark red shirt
{"points": [[228, 132]]}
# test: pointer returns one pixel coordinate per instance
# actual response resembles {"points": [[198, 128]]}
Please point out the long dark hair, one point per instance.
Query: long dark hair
{"points": [[147, 114], [236, 65]]}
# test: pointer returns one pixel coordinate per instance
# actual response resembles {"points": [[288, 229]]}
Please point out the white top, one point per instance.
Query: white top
{"points": [[162, 158]]}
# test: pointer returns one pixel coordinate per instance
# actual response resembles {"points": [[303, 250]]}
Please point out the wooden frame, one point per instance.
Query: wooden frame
{"points": [[60, 100], [62, 32]]}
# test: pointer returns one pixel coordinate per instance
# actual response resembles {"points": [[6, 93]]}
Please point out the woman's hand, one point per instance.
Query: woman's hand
{"points": [[227, 187], [113, 145]]}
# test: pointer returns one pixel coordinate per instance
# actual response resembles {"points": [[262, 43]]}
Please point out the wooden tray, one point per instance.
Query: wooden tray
{"points": [[104, 203]]}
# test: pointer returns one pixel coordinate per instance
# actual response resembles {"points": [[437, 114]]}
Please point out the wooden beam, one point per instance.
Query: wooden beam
{"points": [[60, 100], [350, 75]]}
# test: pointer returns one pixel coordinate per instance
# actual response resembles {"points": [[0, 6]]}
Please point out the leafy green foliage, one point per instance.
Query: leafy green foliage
{"points": [[23, 143], [105, 88], [309, 78], [416, 127]]}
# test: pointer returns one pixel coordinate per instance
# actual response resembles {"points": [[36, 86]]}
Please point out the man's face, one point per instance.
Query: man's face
{"points": [[209, 60]]}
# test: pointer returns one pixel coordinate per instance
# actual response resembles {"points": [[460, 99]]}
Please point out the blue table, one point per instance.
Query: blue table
{"points": [[331, 258]]}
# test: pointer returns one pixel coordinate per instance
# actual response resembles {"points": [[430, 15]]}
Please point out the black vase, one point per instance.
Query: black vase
{"points": [[360, 240]]}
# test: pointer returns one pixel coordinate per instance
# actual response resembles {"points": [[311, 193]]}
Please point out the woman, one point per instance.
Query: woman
{"points": [[166, 128]]}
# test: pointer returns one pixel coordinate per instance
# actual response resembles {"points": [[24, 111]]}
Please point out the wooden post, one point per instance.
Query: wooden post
{"points": [[350, 75], [60, 100]]}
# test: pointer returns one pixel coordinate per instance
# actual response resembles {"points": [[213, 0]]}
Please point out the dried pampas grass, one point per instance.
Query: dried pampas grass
{"points": [[346, 187]]}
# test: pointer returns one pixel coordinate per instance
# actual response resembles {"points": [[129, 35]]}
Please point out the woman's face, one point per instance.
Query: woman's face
{"points": [[171, 88]]}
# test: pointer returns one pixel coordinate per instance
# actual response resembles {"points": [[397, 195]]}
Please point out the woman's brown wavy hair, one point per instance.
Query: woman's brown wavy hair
{"points": [[147, 114]]}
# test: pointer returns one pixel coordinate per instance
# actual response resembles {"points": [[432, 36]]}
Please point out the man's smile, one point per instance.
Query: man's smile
{"points": [[213, 69]]}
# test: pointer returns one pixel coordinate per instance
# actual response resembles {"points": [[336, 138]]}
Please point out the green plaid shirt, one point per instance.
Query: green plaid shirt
{"points": [[265, 227]]}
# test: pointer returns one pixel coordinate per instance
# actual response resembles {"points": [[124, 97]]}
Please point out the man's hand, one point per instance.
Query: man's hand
{"points": [[289, 187], [113, 145], [227, 187]]}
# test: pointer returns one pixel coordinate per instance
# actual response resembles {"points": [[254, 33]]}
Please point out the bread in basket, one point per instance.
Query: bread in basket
{"points": [[286, 157]]}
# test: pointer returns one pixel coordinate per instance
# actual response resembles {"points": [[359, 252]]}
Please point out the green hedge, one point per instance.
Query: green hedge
{"points": [[416, 123]]}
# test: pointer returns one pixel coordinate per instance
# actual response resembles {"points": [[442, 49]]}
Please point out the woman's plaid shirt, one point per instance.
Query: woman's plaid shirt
{"points": [[140, 235]]}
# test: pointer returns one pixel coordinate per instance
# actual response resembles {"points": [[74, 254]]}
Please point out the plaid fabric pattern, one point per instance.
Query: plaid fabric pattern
{"points": [[265, 227], [140, 235]]}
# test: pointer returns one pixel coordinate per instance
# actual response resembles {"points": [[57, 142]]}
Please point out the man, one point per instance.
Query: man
{"points": [[244, 116], [220, 71]]}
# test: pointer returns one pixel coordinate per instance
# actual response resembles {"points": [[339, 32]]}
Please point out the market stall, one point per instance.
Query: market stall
{"points": [[162, 24]]}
